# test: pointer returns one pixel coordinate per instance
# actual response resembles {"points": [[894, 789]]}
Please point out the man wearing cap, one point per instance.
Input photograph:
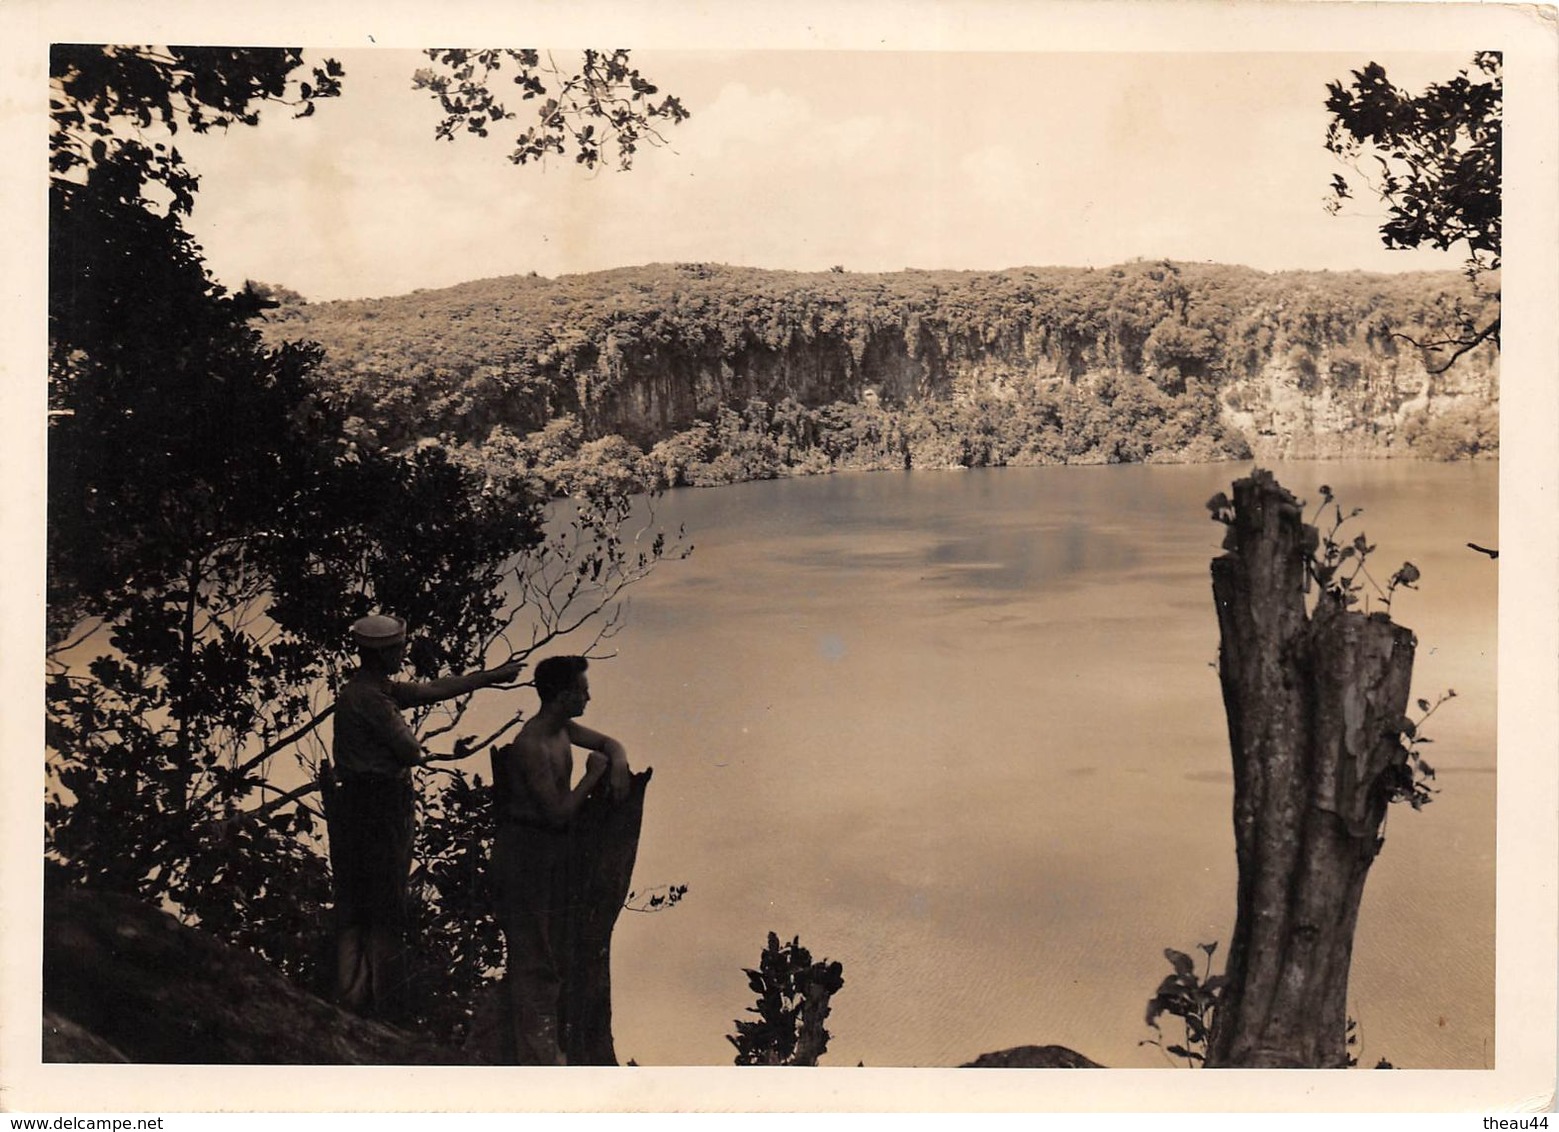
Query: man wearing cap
{"points": [[371, 813]]}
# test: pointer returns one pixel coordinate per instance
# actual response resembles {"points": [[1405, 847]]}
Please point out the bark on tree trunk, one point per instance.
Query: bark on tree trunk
{"points": [[602, 851], [1315, 705]]}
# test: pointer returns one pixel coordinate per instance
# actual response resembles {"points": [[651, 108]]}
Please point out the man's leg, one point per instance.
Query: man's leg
{"points": [[387, 965], [353, 981], [383, 866], [524, 861]]}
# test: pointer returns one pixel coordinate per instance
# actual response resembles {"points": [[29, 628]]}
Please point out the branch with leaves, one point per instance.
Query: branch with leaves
{"points": [[102, 98], [1437, 159], [1470, 338], [602, 111], [1409, 781]]}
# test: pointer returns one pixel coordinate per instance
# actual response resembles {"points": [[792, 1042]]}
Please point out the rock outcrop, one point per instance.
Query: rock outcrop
{"points": [[1343, 403], [1033, 1057], [123, 981]]}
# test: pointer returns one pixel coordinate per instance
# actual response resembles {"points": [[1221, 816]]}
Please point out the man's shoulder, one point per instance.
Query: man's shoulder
{"points": [[536, 740], [361, 689]]}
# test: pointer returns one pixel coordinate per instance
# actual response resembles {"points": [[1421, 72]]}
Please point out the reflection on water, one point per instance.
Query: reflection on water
{"points": [[961, 731]]}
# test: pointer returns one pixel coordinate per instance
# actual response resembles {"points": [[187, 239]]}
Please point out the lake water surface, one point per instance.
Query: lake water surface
{"points": [[962, 732]]}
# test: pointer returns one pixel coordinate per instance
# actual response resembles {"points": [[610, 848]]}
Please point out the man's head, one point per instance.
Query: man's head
{"points": [[562, 679], [381, 642]]}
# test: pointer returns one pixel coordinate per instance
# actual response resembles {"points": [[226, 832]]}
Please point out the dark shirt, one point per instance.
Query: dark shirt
{"points": [[371, 735]]}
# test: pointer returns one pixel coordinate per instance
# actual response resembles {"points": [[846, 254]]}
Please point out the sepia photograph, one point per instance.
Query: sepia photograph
{"points": [[961, 539]]}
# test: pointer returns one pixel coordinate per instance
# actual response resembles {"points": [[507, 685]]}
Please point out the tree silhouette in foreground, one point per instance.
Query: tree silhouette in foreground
{"points": [[215, 520], [1436, 163]]}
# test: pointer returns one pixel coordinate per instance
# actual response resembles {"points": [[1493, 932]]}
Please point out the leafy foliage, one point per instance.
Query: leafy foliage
{"points": [[169, 419], [603, 110], [1409, 781], [745, 374], [1337, 567], [793, 1001], [656, 898], [1438, 154], [1437, 165], [458, 942], [104, 96], [1190, 997], [216, 519]]}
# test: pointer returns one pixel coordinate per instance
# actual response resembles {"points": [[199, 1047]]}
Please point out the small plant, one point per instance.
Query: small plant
{"points": [[1353, 1048], [1334, 564], [655, 899], [1332, 557], [793, 1001], [1190, 998], [1409, 781]]}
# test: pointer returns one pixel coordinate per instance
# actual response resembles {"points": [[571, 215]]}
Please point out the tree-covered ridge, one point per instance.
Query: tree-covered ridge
{"points": [[652, 352]]}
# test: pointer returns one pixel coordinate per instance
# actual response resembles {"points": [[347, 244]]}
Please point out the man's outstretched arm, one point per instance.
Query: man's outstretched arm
{"points": [[419, 692]]}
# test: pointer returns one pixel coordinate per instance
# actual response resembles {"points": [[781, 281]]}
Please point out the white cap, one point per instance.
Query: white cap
{"points": [[377, 631]]}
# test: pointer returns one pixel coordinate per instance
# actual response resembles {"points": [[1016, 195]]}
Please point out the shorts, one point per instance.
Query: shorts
{"points": [[372, 823]]}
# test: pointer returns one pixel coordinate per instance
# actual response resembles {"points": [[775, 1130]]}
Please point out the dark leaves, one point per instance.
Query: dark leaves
{"points": [[599, 112], [1190, 998], [793, 999], [1438, 154]]}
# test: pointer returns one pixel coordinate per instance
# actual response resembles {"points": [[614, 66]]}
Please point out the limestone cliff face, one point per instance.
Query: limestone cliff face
{"points": [[1305, 363], [1342, 403], [1336, 402], [655, 392]]}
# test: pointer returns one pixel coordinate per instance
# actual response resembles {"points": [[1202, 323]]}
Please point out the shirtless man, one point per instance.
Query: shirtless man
{"points": [[534, 807]]}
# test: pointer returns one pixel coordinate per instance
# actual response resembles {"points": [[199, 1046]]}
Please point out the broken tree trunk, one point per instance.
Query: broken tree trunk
{"points": [[1315, 706], [603, 847]]}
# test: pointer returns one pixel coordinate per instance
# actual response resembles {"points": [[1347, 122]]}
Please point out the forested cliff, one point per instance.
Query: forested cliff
{"points": [[773, 372]]}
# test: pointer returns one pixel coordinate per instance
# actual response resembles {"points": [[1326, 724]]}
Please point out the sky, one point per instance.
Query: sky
{"points": [[804, 159]]}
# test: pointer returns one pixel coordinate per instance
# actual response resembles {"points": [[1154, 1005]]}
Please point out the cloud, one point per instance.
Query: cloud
{"points": [[999, 173], [802, 160], [743, 123]]}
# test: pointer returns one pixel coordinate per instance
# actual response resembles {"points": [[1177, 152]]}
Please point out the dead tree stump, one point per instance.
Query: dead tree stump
{"points": [[1315, 703], [603, 846]]}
